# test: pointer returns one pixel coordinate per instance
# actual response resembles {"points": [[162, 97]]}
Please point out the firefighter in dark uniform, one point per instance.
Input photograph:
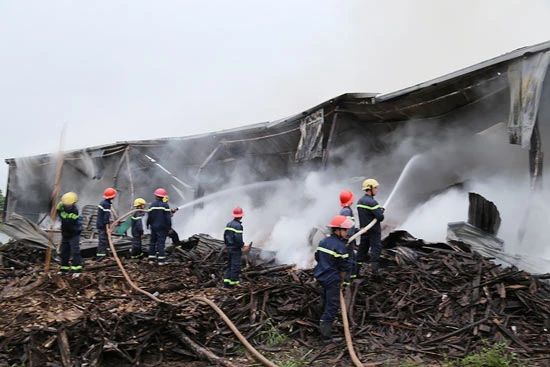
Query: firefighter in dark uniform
{"points": [[331, 269], [71, 226], [233, 239], [346, 199], [369, 209], [137, 229], [102, 221], [172, 232], [159, 219]]}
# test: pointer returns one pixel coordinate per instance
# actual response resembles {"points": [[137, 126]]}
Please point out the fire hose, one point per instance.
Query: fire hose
{"points": [[201, 299], [232, 326], [347, 332]]}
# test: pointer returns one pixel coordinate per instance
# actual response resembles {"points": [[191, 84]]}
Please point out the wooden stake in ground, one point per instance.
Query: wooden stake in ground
{"points": [[55, 195]]}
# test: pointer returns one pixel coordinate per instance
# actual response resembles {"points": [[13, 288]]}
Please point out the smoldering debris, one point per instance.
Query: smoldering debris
{"points": [[433, 301]]}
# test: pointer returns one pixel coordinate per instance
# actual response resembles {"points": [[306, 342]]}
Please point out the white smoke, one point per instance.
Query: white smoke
{"points": [[280, 223]]}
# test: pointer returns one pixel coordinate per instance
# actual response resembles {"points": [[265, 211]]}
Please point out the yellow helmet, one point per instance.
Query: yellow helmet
{"points": [[139, 201], [69, 198], [369, 184]]}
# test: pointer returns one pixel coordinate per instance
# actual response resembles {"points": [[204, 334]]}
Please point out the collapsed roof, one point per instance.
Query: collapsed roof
{"points": [[512, 88]]}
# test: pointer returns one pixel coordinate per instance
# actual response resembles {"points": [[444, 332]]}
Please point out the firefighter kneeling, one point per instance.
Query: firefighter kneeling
{"points": [[332, 265]]}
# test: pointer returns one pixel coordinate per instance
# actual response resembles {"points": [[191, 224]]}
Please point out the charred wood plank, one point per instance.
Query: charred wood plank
{"points": [[201, 352]]}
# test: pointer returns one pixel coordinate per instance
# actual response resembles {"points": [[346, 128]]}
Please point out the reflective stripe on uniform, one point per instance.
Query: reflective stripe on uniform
{"points": [[233, 229], [159, 208], [136, 218], [76, 267], [232, 282], [368, 207], [66, 215], [333, 253], [102, 208]]}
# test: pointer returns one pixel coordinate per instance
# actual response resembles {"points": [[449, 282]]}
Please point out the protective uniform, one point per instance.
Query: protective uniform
{"points": [[171, 232], [137, 233], [369, 209], [103, 218], [347, 212], [159, 219], [332, 259], [71, 227], [233, 239]]}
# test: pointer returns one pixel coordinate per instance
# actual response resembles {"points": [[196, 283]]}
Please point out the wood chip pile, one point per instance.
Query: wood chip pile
{"points": [[432, 301]]}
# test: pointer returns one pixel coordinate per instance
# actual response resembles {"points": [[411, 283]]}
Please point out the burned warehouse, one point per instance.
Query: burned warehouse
{"points": [[475, 137]]}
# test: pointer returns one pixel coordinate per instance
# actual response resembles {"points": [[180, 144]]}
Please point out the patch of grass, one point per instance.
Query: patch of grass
{"points": [[490, 356], [409, 363], [272, 336]]}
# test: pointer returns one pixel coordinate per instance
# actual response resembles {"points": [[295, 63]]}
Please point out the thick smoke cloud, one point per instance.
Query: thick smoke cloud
{"points": [[288, 209]]}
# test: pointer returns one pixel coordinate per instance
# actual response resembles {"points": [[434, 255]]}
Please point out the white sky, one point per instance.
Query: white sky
{"points": [[112, 70]]}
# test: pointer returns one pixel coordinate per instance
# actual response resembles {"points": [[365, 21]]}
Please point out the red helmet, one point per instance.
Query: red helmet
{"points": [[161, 193], [346, 198], [109, 193], [238, 212], [340, 221]]}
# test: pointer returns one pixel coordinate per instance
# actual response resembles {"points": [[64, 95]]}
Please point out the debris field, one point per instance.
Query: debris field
{"points": [[432, 302]]}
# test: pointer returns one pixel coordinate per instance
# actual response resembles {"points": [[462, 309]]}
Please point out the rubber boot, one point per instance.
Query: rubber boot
{"points": [[375, 274], [326, 332]]}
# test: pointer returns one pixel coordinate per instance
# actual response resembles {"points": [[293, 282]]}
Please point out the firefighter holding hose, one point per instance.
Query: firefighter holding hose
{"points": [[346, 200], [331, 269], [369, 209], [103, 220], [137, 228], [159, 219]]}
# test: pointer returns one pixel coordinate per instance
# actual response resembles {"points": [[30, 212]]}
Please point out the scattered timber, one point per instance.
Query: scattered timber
{"points": [[432, 301]]}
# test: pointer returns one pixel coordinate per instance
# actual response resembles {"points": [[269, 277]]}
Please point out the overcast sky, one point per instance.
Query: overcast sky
{"points": [[114, 70]]}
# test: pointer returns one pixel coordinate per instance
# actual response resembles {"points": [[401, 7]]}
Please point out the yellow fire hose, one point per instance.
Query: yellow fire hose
{"points": [[229, 323], [347, 333], [201, 299]]}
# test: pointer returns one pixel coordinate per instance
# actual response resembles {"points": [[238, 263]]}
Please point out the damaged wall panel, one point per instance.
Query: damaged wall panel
{"points": [[526, 76], [369, 127]]}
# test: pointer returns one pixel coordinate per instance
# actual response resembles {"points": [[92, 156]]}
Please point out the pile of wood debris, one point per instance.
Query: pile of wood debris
{"points": [[433, 301]]}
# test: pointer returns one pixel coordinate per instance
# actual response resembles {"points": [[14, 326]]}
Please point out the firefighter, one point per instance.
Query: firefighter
{"points": [[331, 269], [172, 232], [369, 209], [137, 229], [71, 226], [159, 219], [103, 220], [233, 239], [346, 200]]}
